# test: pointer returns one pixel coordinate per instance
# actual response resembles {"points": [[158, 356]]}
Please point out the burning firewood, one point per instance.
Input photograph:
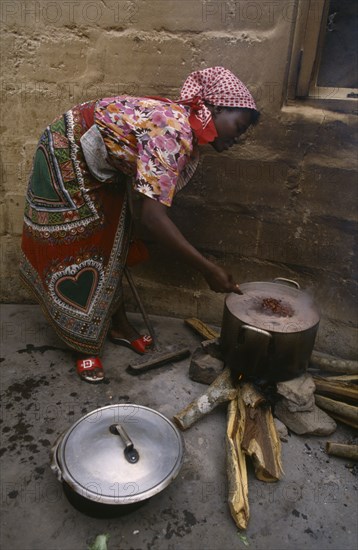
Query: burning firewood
{"points": [[343, 412], [219, 391], [238, 498], [251, 430], [344, 451], [250, 395]]}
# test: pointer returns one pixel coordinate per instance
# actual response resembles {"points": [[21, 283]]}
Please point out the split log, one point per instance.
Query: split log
{"points": [[334, 364], [348, 414], [219, 391], [341, 450], [202, 329], [336, 388], [261, 442], [236, 465]]}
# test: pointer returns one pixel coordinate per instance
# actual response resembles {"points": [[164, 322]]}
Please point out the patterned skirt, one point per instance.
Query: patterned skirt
{"points": [[76, 235]]}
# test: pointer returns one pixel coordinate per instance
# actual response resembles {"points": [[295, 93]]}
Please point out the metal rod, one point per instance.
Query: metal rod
{"points": [[140, 305]]}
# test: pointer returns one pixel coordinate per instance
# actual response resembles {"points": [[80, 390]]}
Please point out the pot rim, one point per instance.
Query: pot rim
{"points": [[286, 325]]}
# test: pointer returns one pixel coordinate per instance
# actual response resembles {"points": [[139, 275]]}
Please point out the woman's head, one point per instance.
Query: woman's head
{"points": [[230, 124], [220, 103]]}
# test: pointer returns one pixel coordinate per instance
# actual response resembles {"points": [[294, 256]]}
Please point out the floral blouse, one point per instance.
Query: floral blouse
{"points": [[151, 140]]}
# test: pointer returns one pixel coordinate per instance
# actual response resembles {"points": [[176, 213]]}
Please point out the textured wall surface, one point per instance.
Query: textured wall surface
{"points": [[283, 204]]}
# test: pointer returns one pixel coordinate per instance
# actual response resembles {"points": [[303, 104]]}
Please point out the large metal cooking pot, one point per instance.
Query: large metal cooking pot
{"points": [[117, 457], [268, 332]]}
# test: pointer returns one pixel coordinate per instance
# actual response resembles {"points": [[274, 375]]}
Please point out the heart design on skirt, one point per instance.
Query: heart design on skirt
{"points": [[78, 290]]}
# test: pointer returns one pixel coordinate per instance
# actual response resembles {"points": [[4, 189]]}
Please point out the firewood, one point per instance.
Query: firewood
{"points": [[344, 377], [334, 364], [344, 420], [236, 465], [202, 329], [344, 451], [261, 442], [340, 411], [219, 391], [336, 388], [250, 395]]}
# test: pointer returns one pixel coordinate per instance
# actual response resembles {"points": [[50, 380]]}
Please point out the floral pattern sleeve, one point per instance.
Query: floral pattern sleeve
{"points": [[163, 144]]}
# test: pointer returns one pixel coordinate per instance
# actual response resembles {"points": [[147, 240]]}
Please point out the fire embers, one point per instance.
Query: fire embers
{"points": [[274, 306]]}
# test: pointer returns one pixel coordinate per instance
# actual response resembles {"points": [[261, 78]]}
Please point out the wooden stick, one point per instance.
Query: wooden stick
{"points": [[343, 419], [334, 364], [344, 451], [336, 388], [344, 377], [238, 498], [219, 391], [140, 305], [202, 329], [346, 413]]}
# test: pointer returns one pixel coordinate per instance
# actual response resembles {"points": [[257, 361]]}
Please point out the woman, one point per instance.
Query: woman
{"points": [[77, 226]]}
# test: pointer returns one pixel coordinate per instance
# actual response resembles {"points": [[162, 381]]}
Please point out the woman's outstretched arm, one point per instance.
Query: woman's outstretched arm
{"points": [[155, 218]]}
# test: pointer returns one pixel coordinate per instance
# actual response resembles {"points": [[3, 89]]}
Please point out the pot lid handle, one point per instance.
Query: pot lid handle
{"points": [[131, 454], [290, 281]]}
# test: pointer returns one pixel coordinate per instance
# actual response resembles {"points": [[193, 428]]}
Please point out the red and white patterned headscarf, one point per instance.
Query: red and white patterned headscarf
{"points": [[217, 86]]}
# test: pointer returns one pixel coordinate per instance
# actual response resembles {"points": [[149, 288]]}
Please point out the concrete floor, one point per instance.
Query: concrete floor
{"points": [[313, 507]]}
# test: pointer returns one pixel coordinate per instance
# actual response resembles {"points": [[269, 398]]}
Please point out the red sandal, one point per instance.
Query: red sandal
{"points": [[90, 369], [139, 345]]}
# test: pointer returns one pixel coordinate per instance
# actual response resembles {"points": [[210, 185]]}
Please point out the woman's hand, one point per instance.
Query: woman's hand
{"points": [[220, 281]]}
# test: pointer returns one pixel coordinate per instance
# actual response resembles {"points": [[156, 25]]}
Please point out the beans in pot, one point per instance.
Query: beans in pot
{"points": [[276, 307]]}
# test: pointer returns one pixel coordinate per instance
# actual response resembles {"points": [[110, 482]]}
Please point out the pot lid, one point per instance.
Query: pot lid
{"points": [[120, 454], [274, 306]]}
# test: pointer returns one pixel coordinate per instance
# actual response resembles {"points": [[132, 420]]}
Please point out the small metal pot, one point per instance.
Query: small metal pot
{"points": [[115, 458], [262, 344]]}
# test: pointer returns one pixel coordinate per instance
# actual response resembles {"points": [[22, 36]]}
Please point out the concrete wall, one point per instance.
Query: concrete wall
{"points": [[282, 204]]}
